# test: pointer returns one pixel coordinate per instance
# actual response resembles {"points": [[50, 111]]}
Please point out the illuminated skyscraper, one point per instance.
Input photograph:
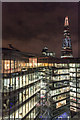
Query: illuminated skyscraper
{"points": [[66, 51]]}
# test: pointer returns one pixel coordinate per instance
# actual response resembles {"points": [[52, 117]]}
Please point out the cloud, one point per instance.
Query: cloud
{"points": [[35, 25]]}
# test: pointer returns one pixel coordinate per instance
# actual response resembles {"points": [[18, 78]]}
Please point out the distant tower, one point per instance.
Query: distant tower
{"points": [[66, 51], [44, 51]]}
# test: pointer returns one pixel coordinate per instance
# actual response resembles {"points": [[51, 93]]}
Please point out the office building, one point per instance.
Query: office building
{"points": [[32, 83], [66, 51], [20, 85], [63, 86], [28, 82]]}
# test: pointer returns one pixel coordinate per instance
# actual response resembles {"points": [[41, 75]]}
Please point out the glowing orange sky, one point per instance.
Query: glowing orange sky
{"points": [[31, 26]]}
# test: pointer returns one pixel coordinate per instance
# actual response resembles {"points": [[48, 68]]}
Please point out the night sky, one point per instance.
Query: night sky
{"points": [[30, 27]]}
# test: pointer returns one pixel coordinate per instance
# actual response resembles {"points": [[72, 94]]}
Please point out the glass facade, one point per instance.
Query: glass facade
{"points": [[59, 89], [21, 86], [63, 85], [75, 86], [56, 84], [28, 83]]}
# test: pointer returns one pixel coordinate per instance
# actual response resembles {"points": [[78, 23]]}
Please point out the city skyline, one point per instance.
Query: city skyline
{"points": [[31, 26]]}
